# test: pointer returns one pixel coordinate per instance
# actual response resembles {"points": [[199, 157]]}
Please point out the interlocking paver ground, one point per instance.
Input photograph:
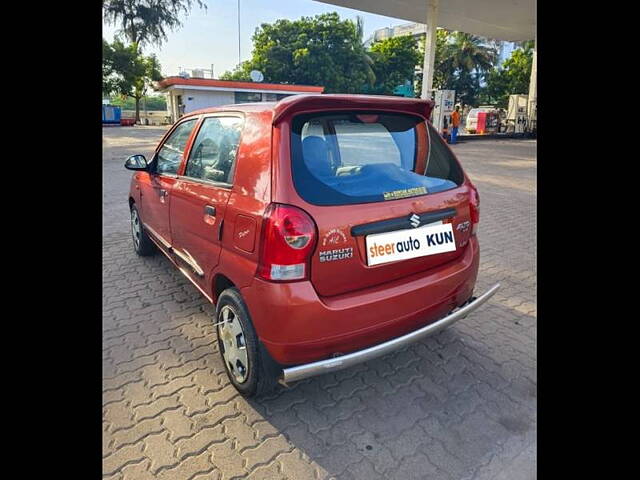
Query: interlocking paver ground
{"points": [[458, 405]]}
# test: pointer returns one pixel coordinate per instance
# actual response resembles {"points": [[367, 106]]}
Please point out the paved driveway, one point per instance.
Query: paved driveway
{"points": [[458, 405]]}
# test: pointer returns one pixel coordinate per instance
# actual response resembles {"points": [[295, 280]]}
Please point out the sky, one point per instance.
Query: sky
{"points": [[211, 36]]}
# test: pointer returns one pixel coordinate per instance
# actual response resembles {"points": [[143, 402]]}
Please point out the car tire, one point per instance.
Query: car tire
{"points": [[255, 373], [142, 244]]}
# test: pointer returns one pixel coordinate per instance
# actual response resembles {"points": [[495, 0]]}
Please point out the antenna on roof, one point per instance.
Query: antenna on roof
{"points": [[239, 60]]}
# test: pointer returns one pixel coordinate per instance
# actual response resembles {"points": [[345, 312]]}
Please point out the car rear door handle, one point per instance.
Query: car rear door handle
{"points": [[209, 210]]}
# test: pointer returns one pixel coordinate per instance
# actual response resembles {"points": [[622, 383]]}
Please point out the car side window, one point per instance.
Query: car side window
{"points": [[214, 150], [170, 154]]}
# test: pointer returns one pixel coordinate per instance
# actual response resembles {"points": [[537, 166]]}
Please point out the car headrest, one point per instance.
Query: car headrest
{"points": [[316, 156]]}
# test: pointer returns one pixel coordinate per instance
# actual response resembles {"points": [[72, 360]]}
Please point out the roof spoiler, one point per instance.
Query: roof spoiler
{"points": [[311, 103]]}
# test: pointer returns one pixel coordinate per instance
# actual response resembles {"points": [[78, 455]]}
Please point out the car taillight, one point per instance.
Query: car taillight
{"points": [[474, 209], [288, 240]]}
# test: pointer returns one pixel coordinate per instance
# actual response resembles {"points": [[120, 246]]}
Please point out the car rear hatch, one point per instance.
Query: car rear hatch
{"points": [[387, 195]]}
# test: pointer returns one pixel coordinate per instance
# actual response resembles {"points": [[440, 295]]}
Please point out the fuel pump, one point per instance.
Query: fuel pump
{"points": [[521, 122], [517, 113], [444, 105]]}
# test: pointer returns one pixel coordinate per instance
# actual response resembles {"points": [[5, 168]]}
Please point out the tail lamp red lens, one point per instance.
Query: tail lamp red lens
{"points": [[474, 208], [288, 240]]}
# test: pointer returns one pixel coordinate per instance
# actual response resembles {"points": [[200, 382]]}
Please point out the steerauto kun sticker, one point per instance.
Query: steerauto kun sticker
{"points": [[405, 244]]}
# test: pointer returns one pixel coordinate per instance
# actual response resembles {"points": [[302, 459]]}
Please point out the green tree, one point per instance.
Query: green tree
{"points": [[394, 62], [126, 72], [441, 69], [468, 60], [321, 50], [365, 58], [144, 22], [512, 78], [154, 102], [462, 62], [240, 73], [467, 52]]}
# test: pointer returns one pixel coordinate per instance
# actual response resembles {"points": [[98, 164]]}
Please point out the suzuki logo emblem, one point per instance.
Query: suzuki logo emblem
{"points": [[414, 220]]}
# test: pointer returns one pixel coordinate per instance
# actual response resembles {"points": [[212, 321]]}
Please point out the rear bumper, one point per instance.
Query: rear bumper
{"points": [[296, 326], [299, 372]]}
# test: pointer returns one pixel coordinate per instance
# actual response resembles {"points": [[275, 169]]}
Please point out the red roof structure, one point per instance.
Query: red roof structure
{"points": [[230, 84]]}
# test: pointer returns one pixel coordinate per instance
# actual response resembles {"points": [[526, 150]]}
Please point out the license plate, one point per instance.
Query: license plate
{"points": [[430, 239]]}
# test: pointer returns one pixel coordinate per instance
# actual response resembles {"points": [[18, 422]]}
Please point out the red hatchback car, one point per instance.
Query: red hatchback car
{"points": [[327, 229]]}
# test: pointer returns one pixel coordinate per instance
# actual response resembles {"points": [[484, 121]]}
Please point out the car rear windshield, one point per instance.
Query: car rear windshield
{"points": [[348, 158]]}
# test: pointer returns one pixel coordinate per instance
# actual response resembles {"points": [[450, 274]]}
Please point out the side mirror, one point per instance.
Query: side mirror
{"points": [[136, 162]]}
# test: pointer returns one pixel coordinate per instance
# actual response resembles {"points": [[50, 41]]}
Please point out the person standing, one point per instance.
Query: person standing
{"points": [[455, 123]]}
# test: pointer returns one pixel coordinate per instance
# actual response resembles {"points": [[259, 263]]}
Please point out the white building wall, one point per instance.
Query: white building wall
{"points": [[197, 99], [506, 49], [172, 107]]}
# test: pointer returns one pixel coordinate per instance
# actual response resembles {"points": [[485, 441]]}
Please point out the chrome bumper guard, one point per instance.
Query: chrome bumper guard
{"points": [[299, 372]]}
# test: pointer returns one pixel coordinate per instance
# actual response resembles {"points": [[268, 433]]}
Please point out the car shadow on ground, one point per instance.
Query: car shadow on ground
{"points": [[438, 398]]}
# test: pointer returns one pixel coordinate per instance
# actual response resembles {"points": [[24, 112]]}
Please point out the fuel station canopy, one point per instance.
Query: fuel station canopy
{"points": [[510, 20]]}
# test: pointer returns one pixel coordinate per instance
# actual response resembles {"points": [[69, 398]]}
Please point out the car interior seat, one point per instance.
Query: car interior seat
{"points": [[316, 156]]}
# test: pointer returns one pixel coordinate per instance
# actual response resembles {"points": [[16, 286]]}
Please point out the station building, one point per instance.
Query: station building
{"points": [[185, 95]]}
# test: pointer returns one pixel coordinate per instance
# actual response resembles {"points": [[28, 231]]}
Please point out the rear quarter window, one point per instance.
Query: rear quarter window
{"points": [[348, 158]]}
